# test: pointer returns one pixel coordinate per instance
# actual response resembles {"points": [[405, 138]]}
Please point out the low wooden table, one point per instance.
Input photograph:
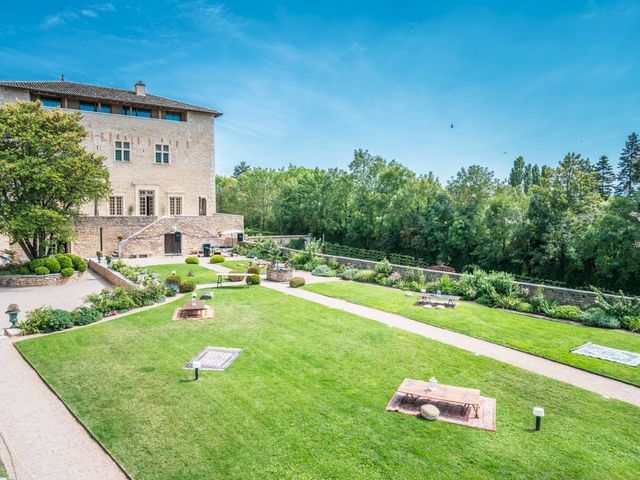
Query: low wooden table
{"points": [[467, 397], [427, 298], [194, 309]]}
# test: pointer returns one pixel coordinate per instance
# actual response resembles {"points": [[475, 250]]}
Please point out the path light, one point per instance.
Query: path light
{"points": [[196, 365], [193, 299], [433, 384], [539, 413]]}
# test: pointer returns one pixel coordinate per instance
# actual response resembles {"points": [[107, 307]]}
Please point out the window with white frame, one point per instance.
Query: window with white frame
{"points": [[115, 205], [175, 205], [162, 153], [123, 151]]}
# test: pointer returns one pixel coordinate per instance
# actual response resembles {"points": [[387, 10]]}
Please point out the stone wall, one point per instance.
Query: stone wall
{"points": [[19, 281], [111, 276], [90, 231], [279, 239], [566, 296]]}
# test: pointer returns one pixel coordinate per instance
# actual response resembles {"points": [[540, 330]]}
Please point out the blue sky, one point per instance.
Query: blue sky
{"points": [[308, 82]]}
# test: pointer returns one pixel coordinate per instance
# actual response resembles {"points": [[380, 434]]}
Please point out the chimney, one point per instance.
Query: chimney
{"points": [[140, 88]]}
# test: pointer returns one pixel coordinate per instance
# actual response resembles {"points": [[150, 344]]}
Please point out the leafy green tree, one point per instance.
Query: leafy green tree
{"points": [[240, 169], [516, 176], [605, 176], [46, 175], [536, 175], [629, 166], [527, 178]]}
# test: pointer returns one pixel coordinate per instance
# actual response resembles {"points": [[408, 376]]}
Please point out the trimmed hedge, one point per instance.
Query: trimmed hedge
{"points": [[67, 272], [192, 260], [187, 286], [254, 269], [253, 280], [216, 259], [296, 282], [41, 271]]}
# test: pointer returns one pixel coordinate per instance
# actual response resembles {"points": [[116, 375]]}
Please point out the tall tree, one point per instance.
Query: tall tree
{"points": [[605, 176], [629, 166], [535, 175], [46, 175], [527, 179], [516, 176], [240, 169]]}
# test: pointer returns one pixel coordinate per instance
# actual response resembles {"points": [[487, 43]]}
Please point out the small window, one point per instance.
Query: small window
{"points": [[177, 116], [123, 151], [162, 154], [105, 108], [51, 102], [143, 113], [175, 206], [115, 205], [202, 206], [136, 112], [88, 107]]}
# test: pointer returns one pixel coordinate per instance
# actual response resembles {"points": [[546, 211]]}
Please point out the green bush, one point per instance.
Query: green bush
{"points": [[235, 278], [365, 276], [36, 263], [254, 269], [35, 320], [297, 244], [150, 294], [216, 259], [296, 282], [597, 317], [383, 268], [349, 273], [174, 279], [23, 270], [52, 264], [111, 300], [64, 260], [67, 272], [299, 260], [77, 261], [59, 320], [81, 266], [631, 323], [323, 271], [85, 315], [187, 286], [42, 271], [566, 312], [171, 289], [192, 260], [253, 280]]}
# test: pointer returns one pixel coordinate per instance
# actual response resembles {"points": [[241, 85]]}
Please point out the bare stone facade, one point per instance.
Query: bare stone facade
{"points": [[162, 175]]}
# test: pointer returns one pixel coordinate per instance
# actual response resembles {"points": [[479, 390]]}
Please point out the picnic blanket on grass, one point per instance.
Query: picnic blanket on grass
{"points": [[607, 353]]}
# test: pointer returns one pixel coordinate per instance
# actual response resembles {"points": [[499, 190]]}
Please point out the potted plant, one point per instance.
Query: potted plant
{"points": [[99, 255], [12, 311], [108, 257], [120, 237]]}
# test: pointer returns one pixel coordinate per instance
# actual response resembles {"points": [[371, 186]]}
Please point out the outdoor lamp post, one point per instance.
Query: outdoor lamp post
{"points": [[433, 384], [539, 413], [193, 299], [196, 365]]}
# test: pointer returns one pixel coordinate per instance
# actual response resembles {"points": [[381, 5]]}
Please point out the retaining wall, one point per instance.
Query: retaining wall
{"points": [[111, 276], [566, 296], [279, 239], [19, 281]]}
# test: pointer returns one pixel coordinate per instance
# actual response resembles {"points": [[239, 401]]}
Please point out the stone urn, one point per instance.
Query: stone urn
{"points": [[13, 310]]}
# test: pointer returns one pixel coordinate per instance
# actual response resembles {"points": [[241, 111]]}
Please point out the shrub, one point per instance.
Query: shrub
{"points": [[64, 260], [296, 282], [349, 273], [150, 294], [58, 320], [365, 276], [81, 266], [36, 263], [77, 261], [254, 269], [42, 271], [171, 290], [298, 260], [323, 271], [235, 278], [253, 280], [541, 304], [35, 320], [111, 300], [216, 259], [67, 272], [313, 263], [383, 268], [631, 323], [24, 270], [85, 315], [187, 286], [567, 312], [192, 260], [297, 244], [173, 279], [597, 317]]}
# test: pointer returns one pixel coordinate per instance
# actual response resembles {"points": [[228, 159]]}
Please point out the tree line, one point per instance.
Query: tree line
{"points": [[576, 223]]}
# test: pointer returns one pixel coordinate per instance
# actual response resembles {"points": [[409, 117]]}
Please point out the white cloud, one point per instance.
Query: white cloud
{"points": [[61, 18]]}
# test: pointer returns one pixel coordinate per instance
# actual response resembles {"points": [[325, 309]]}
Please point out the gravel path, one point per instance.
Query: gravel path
{"points": [[41, 432], [557, 371]]}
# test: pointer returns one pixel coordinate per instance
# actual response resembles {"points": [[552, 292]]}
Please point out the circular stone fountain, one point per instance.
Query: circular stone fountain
{"points": [[279, 272]]}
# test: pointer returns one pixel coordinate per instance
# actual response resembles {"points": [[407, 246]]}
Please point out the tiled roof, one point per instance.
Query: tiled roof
{"points": [[126, 97]]}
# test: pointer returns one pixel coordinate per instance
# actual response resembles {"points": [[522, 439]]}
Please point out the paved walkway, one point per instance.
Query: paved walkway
{"points": [[41, 432], [557, 371]]}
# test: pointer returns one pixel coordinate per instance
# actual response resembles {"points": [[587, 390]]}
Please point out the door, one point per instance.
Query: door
{"points": [[173, 243], [146, 200]]}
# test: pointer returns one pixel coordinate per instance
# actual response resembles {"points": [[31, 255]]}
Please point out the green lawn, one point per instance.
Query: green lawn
{"points": [[201, 274], [3, 471], [546, 338], [306, 400], [240, 265]]}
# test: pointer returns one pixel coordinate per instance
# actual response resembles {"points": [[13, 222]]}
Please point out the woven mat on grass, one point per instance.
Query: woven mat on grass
{"points": [[449, 412]]}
